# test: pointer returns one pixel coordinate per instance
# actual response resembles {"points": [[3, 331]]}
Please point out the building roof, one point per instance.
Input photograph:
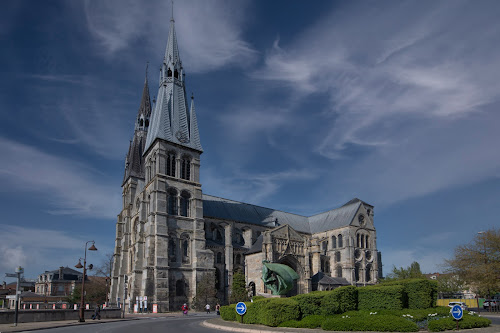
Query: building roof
{"points": [[171, 119], [226, 209]]}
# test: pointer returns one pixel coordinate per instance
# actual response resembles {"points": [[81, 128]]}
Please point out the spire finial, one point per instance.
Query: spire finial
{"points": [[172, 19], [192, 96]]}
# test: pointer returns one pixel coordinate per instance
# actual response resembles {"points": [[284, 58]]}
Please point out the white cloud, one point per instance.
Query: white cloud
{"points": [[69, 187], [410, 85], [208, 32]]}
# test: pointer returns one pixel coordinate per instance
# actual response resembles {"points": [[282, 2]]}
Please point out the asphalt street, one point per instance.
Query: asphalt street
{"points": [[185, 324]]}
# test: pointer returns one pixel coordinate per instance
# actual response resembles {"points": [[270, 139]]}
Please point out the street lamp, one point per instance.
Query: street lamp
{"points": [[84, 266]]}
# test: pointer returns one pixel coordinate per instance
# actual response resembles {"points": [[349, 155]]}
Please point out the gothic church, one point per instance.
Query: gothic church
{"points": [[169, 233]]}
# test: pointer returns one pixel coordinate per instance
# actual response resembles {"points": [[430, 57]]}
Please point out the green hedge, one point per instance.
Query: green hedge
{"points": [[466, 322], [228, 312], [418, 293], [389, 297], [380, 323], [339, 300], [312, 321], [274, 311], [310, 304], [252, 316]]}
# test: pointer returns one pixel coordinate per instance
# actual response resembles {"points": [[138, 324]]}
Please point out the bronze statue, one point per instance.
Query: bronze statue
{"points": [[278, 277]]}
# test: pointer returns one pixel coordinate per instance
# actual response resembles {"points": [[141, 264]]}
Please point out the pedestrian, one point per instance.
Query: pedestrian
{"points": [[217, 309], [97, 313], [185, 309], [207, 307]]}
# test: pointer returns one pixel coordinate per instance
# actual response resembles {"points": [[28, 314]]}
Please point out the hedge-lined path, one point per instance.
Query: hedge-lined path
{"points": [[232, 326]]}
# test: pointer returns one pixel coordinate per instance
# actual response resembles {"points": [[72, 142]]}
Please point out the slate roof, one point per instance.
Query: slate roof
{"points": [[172, 120], [226, 209]]}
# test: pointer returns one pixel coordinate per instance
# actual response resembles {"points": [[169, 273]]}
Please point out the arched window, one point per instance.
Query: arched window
{"points": [[339, 271], [238, 259], [219, 258], [252, 288], [324, 246], [170, 164], [169, 72], [179, 288], [356, 272], [366, 242], [337, 256], [368, 275], [334, 242], [186, 168], [185, 247], [357, 240], [327, 266], [176, 74], [171, 250], [362, 241], [217, 279], [185, 203], [340, 241], [172, 201]]}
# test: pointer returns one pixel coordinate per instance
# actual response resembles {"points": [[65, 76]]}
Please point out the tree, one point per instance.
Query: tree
{"points": [[478, 263], [411, 272], [104, 269], [450, 284], [205, 291], [239, 292], [95, 291]]}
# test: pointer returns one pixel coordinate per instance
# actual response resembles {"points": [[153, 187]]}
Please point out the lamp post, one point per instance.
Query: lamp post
{"points": [[79, 265]]}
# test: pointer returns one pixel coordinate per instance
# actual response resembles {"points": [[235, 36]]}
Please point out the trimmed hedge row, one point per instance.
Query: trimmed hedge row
{"points": [[418, 293], [381, 297], [466, 322], [228, 312], [312, 321], [380, 323]]}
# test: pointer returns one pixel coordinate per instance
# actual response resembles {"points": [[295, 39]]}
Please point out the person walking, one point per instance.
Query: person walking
{"points": [[207, 307], [217, 309], [97, 313], [185, 309]]}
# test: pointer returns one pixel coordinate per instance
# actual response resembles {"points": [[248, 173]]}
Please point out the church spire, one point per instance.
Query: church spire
{"points": [[134, 163], [171, 119]]}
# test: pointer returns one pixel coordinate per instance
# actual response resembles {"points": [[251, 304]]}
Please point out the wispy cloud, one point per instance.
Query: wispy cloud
{"points": [[413, 73], [69, 187], [209, 32]]}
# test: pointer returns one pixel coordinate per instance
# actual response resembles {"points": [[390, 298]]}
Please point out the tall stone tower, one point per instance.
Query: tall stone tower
{"points": [[160, 240]]}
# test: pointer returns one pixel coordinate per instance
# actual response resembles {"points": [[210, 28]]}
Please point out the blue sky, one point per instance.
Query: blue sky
{"points": [[301, 107]]}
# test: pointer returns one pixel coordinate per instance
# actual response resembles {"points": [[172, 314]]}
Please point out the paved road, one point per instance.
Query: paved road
{"points": [[182, 324]]}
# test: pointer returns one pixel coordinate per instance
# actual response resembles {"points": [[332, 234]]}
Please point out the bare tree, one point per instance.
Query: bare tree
{"points": [[478, 263]]}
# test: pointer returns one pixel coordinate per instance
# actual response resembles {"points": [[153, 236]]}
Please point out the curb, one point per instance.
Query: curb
{"points": [[28, 329]]}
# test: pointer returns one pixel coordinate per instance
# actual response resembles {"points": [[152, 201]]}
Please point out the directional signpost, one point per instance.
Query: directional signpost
{"points": [[241, 309], [457, 313]]}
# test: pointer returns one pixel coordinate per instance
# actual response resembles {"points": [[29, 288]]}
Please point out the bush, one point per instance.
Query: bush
{"points": [[312, 321], [418, 293], [466, 322], [228, 312], [252, 316], [380, 323], [381, 297], [339, 300], [310, 304], [274, 311]]}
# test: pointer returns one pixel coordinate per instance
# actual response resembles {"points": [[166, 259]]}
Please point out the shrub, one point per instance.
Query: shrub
{"points": [[418, 293], [228, 312], [258, 298], [380, 323], [273, 311], [339, 300], [312, 321], [310, 304], [466, 322], [380, 297], [252, 316]]}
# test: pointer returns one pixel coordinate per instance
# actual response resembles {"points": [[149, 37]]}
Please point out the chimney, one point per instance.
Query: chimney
{"points": [[61, 276]]}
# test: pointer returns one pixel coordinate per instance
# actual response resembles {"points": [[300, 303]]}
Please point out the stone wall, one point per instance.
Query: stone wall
{"points": [[28, 316]]}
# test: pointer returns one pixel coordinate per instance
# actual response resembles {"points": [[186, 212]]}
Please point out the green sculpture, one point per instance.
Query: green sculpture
{"points": [[278, 277]]}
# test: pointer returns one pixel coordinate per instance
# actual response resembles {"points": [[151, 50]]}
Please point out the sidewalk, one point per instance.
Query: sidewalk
{"points": [[33, 326]]}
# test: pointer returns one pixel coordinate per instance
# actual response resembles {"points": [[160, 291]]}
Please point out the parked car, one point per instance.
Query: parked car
{"points": [[489, 302], [462, 305]]}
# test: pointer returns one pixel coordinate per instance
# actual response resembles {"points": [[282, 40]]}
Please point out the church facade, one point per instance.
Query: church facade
{"points": [[169, 234]]}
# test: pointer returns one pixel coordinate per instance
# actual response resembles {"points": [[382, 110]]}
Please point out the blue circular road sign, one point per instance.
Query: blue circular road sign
{"points": [[241, 308], [457, 312]]}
